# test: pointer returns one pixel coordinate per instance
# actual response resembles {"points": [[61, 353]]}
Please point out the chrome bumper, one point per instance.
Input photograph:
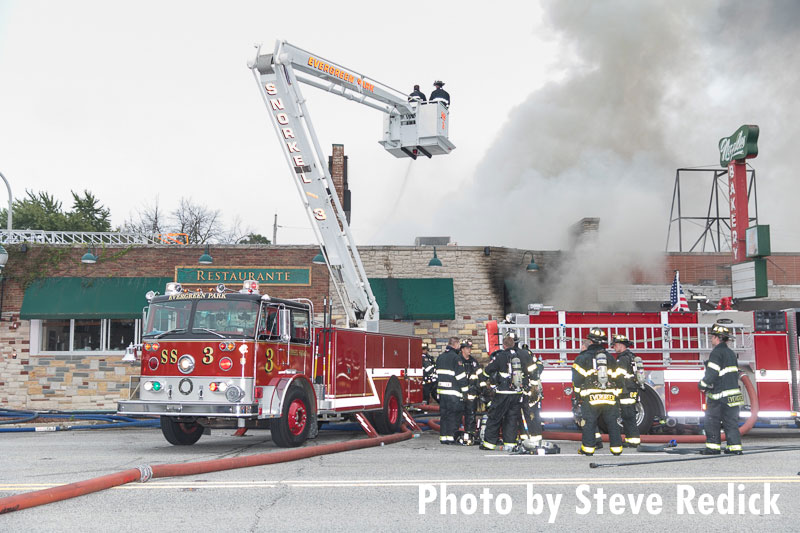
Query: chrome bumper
{"points": [[231, 410]]}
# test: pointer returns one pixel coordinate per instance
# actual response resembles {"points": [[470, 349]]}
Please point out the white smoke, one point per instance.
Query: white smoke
{"points": [[648, 88]]}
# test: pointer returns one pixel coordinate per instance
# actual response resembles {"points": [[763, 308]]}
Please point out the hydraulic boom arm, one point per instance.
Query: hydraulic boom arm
{"points": [[409, 129]]}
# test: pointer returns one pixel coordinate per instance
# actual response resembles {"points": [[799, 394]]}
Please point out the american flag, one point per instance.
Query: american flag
{"points": [[676, 296]]}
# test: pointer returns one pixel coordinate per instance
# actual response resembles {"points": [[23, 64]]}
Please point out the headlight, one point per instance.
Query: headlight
{"points": [[154, 386], [186, 363]]}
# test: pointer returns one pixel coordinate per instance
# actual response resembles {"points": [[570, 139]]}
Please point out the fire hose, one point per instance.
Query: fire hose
{"points": [[147, 472], [682, 439], [111, 421]]}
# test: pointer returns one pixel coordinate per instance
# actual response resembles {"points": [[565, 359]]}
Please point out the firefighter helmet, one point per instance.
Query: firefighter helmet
{"points": [[721, 330], [597, 335], [622, 339], [424, 345], [438, 83], [466, 343]]}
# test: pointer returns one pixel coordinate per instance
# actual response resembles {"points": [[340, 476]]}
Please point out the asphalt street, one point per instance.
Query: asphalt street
{"points": [[414, 485]]}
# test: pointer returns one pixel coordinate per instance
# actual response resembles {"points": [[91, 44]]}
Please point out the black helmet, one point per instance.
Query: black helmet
{"points": [[438, 83], [424, 345], [721, 330], [466, 343], [622, 339], [597, 335]]}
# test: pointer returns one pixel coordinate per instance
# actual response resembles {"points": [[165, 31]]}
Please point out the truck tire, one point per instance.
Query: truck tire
{"points": [[390, 418], [649, 408], [291, 429], [180, 433], [646, 410]]}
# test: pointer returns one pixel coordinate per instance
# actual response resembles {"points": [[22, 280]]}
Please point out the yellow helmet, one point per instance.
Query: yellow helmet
{"points": [[721, 330], [597, 335], [622, 339]]}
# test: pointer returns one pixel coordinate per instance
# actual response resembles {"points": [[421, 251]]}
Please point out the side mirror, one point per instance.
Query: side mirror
{"points": [[283, 317]]}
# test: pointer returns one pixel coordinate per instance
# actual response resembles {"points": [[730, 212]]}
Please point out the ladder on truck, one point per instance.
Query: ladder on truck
{"points": [[407, 132], [556, 340]]}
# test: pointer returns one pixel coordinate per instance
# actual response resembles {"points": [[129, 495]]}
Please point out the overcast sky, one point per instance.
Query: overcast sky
{"points": [[561, 110]]}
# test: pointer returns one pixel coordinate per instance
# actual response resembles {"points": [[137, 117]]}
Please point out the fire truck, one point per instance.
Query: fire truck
{"points": [[673, 347], [231, 358]]}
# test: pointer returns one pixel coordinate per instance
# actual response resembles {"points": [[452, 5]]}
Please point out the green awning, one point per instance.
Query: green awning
{"points": [[88, 297], [415, 298]]}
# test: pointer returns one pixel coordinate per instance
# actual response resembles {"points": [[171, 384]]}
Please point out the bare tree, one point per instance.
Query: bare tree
{"points": [[198, 222], [150, 220]]}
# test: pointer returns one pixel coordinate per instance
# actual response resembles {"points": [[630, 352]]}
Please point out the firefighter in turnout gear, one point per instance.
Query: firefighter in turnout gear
{"points": [[452, 389], [439, 94], [629, 369], [531, 422], [508, 376], [595, 380], [723, 396], [428, 375], [475, 377]]}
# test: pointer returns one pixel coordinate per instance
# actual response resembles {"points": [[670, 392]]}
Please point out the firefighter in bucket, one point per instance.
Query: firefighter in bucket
{"points": [[595, 380]]}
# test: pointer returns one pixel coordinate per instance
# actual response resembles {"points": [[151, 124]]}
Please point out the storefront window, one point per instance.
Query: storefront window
{"points": [[121, 333], [87, 335], [74, 336], [55, 335]]}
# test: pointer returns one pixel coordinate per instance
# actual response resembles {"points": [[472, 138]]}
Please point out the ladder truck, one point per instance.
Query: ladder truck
{"points": [[242, 359]]}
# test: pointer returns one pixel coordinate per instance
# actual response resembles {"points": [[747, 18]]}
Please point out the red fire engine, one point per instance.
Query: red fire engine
{"points": [[243, 359], [247, 360], [673, 347]]}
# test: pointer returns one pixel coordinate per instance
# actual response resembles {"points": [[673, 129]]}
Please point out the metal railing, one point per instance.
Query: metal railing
{"points": [[671, 341], [89, 237]]}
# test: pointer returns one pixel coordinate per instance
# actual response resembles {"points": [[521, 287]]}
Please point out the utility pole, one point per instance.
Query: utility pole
{"points": [[275, 229], [10, 202]]}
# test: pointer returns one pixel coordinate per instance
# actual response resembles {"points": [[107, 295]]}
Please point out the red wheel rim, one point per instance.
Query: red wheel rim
{"points": [[393, 410], [188, 429], [297, 417]]}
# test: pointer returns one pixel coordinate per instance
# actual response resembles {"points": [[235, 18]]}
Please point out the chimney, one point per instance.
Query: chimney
{"points": [[337, 165], [585, 229]]}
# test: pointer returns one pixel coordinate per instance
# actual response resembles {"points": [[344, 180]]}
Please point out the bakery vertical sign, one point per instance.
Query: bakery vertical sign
{"points": [[734, 151]]}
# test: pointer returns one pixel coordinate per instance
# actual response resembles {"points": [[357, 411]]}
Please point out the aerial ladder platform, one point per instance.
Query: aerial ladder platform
{"points": [[410, 129]]}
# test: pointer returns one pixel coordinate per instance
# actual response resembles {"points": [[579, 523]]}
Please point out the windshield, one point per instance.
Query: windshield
{"points": [[226, 317], [167, 317]]}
